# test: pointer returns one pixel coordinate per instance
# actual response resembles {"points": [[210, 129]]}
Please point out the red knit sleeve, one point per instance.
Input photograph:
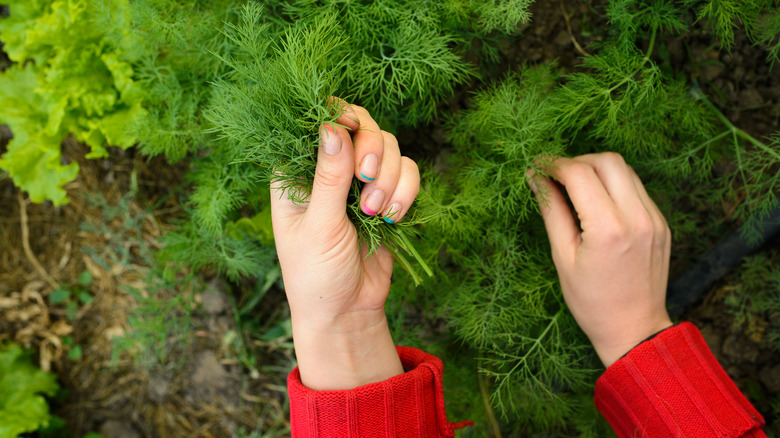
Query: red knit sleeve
{"points": [[672, 386], [408, 405]]}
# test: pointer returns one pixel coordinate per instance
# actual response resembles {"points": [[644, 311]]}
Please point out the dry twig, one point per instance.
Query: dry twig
{"points": [[26, 244], [571, 33]]}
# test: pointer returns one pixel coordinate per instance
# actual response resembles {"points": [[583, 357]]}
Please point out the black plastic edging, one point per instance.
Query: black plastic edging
{"points": [[718, 261]]}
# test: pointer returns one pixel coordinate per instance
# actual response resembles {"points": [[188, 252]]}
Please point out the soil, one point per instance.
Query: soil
{"points": [[207, 392], [210, 393], [743, 350]]}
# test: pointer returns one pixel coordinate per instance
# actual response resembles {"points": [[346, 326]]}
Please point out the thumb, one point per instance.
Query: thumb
{"points": [[333, 175]]}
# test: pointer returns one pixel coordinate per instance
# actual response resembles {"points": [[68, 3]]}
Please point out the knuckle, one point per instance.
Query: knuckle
{"points": [[389, 140], [613, 230], [613, 157], [410, 164], [644, 228], [580, 171], [616, 234], [327, 179]]}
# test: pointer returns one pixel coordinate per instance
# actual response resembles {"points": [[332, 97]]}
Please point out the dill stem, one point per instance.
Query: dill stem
{"points": [[404, 263], [645, 60], [652, 43], [736, 132], [410, 248]]}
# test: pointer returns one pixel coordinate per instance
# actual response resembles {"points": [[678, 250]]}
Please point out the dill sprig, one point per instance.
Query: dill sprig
{"points": [[269, 108]]}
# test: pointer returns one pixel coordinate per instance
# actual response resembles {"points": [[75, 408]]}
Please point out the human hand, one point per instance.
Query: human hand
{"points": [[336, 293], [614, 266]]}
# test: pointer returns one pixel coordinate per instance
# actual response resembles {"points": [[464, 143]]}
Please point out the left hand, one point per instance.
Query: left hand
{"points": [[336, 293]]}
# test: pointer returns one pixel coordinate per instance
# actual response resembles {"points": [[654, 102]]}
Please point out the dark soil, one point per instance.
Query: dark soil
{"points": [[744, 351]]}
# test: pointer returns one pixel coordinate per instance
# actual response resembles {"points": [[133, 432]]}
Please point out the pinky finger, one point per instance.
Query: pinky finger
{"points": [[405, 192]]}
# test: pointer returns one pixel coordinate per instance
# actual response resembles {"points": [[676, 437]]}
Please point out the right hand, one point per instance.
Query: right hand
{"points": [[335, 290], [614, 266]]}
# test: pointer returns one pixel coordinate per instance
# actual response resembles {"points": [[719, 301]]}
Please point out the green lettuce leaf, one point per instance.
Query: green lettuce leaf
{"points": [[78, 83], [33, 160], [22, 407]]}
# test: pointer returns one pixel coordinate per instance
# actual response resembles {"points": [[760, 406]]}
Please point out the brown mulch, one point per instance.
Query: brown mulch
{"points": [[209, 394]]}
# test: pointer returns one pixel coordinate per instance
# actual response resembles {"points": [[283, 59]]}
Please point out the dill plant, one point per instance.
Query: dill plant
{"points": [[252, 96], [171, 44], [402, 57], [499, 291], [267, 113], [240, 93], [759, 18]]}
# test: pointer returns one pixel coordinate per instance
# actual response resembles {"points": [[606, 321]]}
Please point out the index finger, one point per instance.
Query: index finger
{"points": [[369, 145], [586, 191], [367, 139], [348, 118]]}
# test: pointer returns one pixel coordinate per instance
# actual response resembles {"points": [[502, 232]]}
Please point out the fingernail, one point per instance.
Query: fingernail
{"points": [[329, 141], [369, 167], [373, 202], [392, 213], [533, 186], [529, 178]]}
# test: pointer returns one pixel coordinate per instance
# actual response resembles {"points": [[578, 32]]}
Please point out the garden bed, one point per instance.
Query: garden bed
{"points": [[214, 373]]}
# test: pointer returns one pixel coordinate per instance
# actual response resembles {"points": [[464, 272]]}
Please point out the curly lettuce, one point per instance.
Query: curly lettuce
{"points": [[67, 79], [22, 405]]}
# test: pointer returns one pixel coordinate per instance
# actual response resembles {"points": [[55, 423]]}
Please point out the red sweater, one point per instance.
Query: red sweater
{"points": [[668, 386]]}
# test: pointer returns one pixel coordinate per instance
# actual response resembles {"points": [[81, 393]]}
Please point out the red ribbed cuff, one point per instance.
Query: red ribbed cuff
{"points": [[672, 386], [407, 405]]}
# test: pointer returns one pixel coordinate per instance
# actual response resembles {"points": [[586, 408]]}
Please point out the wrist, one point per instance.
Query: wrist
{"points": [[345, 352], [610, 353]]}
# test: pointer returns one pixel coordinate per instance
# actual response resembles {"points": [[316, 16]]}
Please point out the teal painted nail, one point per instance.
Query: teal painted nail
{"points": [[389, 221], [370, 179]]}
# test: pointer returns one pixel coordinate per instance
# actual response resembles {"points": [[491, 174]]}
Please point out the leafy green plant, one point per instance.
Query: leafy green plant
{"points": [[269, 112], [402, 57], [171, 46], [159, 327], [759, 18], [500, 294], [23, 407], [65, 80], [269, 98], [755, 299], [73, 297]]}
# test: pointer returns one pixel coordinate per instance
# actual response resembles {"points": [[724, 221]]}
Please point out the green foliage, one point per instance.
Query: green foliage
{"points": [[268, 113], [759, 18], [74, 296], [753, 186], [275, 102], [22, 387], [234, 254], [171, 46], [159, 327], [402, 57], [503, 15], [75, 84], [755, 299], [500, 294]]}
